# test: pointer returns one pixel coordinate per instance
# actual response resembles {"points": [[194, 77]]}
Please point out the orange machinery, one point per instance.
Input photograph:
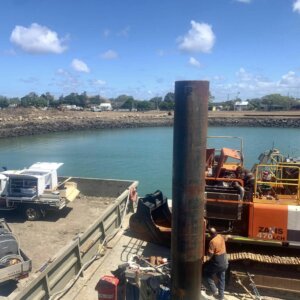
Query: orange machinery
{"points": [[258, 205], [265, 206]]}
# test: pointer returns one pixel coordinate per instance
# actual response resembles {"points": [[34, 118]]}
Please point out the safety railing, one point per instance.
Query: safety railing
{"points": [[278, 179], [70, 259]]}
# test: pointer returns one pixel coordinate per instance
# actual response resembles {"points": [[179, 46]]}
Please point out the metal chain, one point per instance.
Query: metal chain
{"points": [[254, 288], [238, 280]]}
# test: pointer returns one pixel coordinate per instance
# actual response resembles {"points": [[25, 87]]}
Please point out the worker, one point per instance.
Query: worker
{"points": [[216, 265]]}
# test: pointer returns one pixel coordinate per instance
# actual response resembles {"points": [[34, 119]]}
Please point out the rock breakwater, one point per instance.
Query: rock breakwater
{"points": [[24, 122]]}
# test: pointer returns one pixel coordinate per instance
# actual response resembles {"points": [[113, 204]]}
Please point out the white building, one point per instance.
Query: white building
{"points": [[105, 106], [241, 105]]}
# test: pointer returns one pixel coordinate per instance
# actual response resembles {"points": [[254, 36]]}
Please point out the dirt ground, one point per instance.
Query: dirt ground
{"points": [[41, 240], [35, 114], [21, 115]]}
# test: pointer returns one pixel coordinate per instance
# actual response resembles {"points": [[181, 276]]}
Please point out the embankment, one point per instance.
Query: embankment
{"points": [[24, 122]]}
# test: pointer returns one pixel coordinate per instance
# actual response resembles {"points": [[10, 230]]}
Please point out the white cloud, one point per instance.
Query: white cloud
{"points": [[61, 71], [244, 1], [218, 78], [109, 55], [67, 82], [200, 38], [251, 85], [243, 75], [194, 62], [291, 79], [80, 66], [37, 39], [255, 84], [99, 82], [296, 6]]}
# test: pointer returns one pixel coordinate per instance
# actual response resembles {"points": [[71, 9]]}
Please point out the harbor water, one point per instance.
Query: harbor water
{"points": [[143, 154]]}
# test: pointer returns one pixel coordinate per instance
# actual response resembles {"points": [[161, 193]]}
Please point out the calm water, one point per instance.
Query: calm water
{"points": [[144, 154]]}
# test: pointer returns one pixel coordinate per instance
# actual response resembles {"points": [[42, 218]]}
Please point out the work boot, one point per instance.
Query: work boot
{"points": [[206, 296], [218, 297]]}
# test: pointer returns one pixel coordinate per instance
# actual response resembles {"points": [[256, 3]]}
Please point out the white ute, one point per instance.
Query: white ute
{"points": [[35, 190]]}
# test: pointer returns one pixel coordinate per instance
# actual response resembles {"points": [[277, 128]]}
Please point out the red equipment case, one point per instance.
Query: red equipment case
{"points": [[107, 288]]}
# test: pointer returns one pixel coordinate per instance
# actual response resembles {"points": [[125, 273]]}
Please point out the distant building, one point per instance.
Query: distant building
{"points": [[70, 107], [96, 109], [102, 107], [13, 105], [105, 106], [241, 105], [215, 107]]}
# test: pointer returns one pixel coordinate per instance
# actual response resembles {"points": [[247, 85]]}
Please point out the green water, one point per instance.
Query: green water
{"points": [[143, 154]]}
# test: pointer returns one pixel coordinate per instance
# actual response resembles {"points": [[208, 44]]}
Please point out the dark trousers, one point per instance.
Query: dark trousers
{"points": [[212, 271]]}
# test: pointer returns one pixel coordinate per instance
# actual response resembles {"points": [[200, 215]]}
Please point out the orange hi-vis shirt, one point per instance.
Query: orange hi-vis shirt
{"points": [[217, 245]]}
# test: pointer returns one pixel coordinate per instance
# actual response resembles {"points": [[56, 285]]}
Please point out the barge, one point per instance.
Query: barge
{"points": [[61, 243]]}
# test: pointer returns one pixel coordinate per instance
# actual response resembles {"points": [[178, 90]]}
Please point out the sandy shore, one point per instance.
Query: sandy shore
{"points": [[22, 122]]}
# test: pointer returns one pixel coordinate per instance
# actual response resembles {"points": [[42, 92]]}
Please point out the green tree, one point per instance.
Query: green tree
{"points": [[128, 104], [169, 97], [120, 100], [254, 104], [15, 100], [3, 102], [228, 105], [277, 101], [96, 100], [211, 98], [32, 99], [166, 105], [71, 99], [49, 98], [155, 102], [83, 99], [144, 105]]}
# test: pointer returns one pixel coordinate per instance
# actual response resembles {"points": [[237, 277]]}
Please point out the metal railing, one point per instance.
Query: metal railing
{"points": [[70, 259], [278, 180]]}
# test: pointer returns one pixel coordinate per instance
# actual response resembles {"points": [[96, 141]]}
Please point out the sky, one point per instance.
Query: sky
{"points": [[244, 48]]}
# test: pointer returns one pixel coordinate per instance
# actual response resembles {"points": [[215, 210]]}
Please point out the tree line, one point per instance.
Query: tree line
{"points": [[269, 102], [85, 101], [166, 103]]}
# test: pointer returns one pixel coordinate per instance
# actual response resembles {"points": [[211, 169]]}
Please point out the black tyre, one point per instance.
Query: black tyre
{"points": [[32, 213]]}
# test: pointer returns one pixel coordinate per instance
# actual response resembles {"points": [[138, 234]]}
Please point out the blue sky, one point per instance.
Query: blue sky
{"points": [[245, 48]]}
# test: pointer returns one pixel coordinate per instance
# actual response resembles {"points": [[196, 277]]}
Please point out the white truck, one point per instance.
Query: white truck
{"points": [[35, 190]]}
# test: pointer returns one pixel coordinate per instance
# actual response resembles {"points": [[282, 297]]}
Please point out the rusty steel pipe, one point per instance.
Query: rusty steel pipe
{"points": [[188, 187]]}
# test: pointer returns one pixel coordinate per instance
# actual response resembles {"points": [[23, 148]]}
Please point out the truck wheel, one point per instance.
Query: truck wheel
{"points": [[32, 213]]}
